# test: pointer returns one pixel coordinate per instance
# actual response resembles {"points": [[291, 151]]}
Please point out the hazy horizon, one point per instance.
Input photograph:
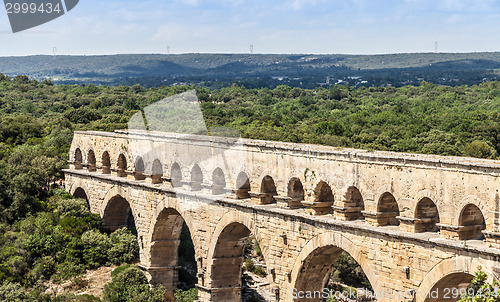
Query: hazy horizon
{"points": [[248, 53]]}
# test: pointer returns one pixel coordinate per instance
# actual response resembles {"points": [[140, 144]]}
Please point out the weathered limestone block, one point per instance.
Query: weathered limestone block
{"points": [[289, 202], [318, 208]]}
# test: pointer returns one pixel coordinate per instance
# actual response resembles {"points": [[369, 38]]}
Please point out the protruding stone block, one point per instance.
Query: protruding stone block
{"points": [[493, 238], [288, 202], [262, 198], [318, 208]]}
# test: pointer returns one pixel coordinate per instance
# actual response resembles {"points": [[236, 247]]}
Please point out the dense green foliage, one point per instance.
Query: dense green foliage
{"points": [[189, 295], [45, 234], [481, 291], [347, 271], [425, 119], [59, 244], [129, 284]]}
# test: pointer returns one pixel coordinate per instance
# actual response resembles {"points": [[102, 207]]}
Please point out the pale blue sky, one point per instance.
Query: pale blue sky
{"points": [[272, 26]]}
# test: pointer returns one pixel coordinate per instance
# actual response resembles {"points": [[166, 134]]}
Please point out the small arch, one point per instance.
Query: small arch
{"points": [[295, 189], [268, 189], [122, 166], [427, 216], [471, 223], [106, 163], [387, 210], [78, 159], [196, 178], [80, 193], [354, 203], [118, 214], [218, 182], [91, 161], [242, 186], [157, 172], [323, 193], [176, 175], [139, 169]]}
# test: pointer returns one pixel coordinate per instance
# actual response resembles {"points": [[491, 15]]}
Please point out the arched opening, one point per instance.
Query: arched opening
{"points": [[427, 216], [295, 190], [387, 210], [242, 186], [157, 172], [444, 289], [118, 214], [78, 159], [139, 169], [80, 193], [218, 182], [322, 200], [471, 223], [353, 204], [106, 163], [323, 193], [122, 166], [176, 175], [268, 190], [196, 178], [172, 253], [91, 161], [332, 268], [236, 249]]}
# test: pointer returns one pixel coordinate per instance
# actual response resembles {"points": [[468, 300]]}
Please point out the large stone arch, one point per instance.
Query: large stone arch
{"points": [[334, 240], [78, 183], [163, 248], [173, 203], [448, 267], [111, 195], [217, 266]]}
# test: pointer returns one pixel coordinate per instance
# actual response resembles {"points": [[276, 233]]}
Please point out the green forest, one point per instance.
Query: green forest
{"points": [[47, 235]]}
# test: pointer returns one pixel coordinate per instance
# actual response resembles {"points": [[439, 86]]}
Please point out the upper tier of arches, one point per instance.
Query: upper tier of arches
{"points": [[471, 223]]}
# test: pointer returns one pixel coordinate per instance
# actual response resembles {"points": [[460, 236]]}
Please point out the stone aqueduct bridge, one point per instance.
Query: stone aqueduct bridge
{"points": [[415, 223]]}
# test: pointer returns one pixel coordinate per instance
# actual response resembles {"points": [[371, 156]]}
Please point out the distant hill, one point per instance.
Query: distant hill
{"points": [[259, 70]]}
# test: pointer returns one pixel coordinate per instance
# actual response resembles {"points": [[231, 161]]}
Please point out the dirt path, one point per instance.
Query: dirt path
{"points": [[92, 283]]}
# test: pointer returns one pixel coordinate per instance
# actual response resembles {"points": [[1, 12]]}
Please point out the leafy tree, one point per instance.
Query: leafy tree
{"points": [[130, 285], [480, 149], [481, 291]]}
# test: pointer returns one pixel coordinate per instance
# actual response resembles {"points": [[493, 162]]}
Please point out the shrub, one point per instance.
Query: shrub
{"points": [[130, 284], [480, 149], [14, 292], [72, 207], [125, 247], [96, 247], [189, 295]]}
